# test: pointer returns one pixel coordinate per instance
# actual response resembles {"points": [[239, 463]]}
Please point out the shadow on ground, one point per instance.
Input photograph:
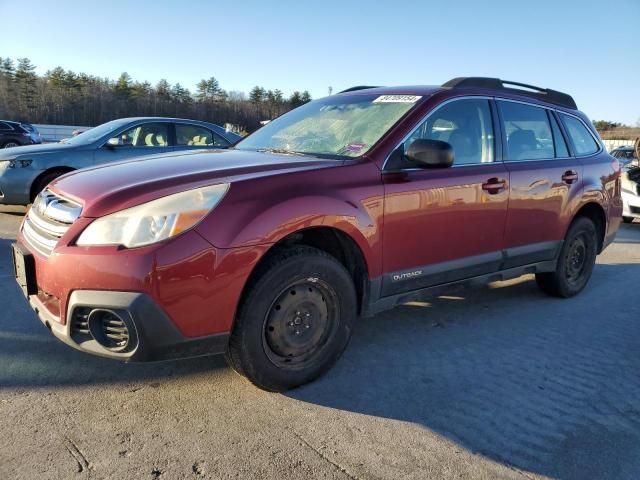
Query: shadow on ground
{"points": [[545, 385]]}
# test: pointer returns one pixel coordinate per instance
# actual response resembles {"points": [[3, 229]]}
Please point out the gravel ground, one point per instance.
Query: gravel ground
{"points": [[499, 382]]}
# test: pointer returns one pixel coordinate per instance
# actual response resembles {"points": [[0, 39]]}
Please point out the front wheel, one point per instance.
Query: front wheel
{"points": [[575, 263], [295, 320], [627, 219]]}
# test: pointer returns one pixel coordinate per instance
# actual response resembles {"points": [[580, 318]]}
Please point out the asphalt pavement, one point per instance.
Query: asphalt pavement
{"points": [[497, 382]]}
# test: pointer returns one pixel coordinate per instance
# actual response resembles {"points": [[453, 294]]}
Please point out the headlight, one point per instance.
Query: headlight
{"points": [[154, 221], [13, 163]]}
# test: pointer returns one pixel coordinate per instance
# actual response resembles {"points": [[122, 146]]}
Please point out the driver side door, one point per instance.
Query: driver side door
{"points": [[137, 140], [446, 224]]}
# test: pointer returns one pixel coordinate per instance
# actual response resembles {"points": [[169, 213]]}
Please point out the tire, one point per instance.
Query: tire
{"points": [[627, 219], [575, 262], [10, 144], [297, 289], [42, 183]]}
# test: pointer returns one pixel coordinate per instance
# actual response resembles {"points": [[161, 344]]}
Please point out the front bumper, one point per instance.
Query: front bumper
{"points": [[15, 184], [630, 204], [153, 335]]}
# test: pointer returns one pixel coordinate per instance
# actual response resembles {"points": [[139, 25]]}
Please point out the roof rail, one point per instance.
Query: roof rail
{"points": [[359, 87], [545, 94]]}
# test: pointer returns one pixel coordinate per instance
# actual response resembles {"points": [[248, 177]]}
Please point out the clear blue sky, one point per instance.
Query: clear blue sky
{"points": [[587, 48]]}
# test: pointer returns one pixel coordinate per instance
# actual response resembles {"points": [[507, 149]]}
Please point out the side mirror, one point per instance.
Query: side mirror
{"points": [[112, 142], [430, 153]]}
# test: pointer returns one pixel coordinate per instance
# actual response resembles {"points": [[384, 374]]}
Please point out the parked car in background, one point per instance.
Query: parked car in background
{"points": [[345, 206], [25, 171], [16, 134], [625, 155], [628, 158]]}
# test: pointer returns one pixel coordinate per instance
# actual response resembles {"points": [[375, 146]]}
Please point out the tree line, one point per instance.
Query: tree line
{"points": [[64, 97]]}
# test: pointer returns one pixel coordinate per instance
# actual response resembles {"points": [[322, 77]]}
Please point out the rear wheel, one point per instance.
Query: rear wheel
{"points": [[627, 219], [10, 144], [575, 263], [295, 321]]}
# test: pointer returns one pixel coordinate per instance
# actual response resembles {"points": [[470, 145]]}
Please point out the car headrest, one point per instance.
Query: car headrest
{"points": [[520, 142]]}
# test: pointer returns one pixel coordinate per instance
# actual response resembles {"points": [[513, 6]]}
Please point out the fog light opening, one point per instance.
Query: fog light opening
{"points": [[110, 330]]}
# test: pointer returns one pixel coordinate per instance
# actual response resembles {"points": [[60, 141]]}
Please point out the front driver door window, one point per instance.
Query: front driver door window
{"points": [[147, 135], [141, 139]]}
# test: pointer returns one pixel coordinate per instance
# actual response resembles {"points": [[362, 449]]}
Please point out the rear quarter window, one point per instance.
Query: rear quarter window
{"points": [[583, 142]]}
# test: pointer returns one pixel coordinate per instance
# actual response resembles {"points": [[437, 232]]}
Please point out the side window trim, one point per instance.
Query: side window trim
{"points": [[565, 135], [424, 119], [498, 140], [171, 130]]}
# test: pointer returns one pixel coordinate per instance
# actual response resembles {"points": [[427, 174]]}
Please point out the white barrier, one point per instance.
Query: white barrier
{"points": [[55, 133], [613, 144]]}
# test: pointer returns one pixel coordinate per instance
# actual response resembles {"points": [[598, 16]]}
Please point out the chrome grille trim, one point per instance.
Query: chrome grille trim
{"points": [[48, 220], [50, 226]]}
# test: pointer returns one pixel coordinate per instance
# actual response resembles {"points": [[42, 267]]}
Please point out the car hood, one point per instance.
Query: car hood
{"points": [[113, 187], [11, 153]]}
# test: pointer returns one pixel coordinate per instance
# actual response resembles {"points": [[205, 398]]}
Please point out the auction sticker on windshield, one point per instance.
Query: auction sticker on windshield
{"points": [[397, 99]]}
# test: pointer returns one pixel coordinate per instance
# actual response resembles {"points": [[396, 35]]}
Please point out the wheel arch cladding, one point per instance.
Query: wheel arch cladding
{"points": [[331, 240], [595, 212]]}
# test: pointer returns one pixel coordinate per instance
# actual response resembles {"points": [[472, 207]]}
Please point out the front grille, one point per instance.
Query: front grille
{"points": [[48, 220]]}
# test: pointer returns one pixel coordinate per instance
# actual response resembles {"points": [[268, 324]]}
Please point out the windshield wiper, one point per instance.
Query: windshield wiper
{"points": [[283, 151], [280, 150]]}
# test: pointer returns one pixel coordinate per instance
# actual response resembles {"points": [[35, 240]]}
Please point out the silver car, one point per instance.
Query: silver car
{"points": [[630, 182], [26, 170]]}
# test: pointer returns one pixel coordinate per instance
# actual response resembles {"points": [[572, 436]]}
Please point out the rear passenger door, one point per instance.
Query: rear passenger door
{"points": [[544, 182], [195, 137]]}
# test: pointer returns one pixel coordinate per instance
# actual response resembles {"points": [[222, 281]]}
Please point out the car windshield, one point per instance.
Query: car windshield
{"points": [[338, 126], [96, 133]]}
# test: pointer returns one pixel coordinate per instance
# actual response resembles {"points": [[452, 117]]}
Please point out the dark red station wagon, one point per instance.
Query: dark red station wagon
{"points": [[341, 208]]}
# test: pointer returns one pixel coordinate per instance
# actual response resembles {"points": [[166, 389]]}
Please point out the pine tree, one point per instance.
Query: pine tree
{"points": [[25, 79], [257, 94], [123, 86]]}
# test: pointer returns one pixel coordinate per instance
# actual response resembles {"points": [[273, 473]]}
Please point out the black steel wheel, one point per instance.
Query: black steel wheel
{"points": [[301, 321], [575, 262], [295, 319]]}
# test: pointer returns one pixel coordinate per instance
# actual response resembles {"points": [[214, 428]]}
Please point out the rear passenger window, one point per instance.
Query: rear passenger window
{"points": [[528, 132], [558, 140], [583, 141], [197, 136], [466, 125]]}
